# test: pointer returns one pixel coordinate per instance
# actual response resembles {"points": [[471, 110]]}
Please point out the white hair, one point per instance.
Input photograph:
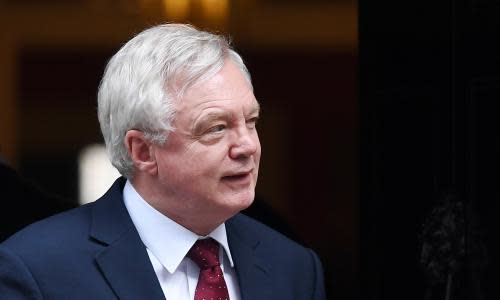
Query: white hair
{"points": [[147, 74]]}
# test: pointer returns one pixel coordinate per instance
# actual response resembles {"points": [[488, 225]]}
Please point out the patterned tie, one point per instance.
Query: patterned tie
{"points": [[211, 284]]}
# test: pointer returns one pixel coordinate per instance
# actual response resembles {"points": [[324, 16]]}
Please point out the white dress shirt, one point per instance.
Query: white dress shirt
{"points": [[167, 244]]}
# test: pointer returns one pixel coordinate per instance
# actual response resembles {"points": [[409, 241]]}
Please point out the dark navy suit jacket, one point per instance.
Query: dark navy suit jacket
{"points": [[95, 252]]}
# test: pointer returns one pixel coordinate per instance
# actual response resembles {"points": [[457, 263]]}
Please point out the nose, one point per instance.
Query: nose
{"points": [[245, 145]]}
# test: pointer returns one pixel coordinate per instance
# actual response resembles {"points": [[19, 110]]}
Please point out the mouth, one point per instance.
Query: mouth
{"points": [[238, 178]]}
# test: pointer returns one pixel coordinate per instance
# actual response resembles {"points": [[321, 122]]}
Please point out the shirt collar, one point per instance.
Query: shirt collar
{"points": [[167, 240]]}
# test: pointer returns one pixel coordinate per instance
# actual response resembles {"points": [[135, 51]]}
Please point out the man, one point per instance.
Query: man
{"points": [[178, 116]]}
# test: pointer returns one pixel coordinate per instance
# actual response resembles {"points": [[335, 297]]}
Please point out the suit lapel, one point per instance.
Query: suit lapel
{"points": [[254, 276], [124, 262], [127, 267]]}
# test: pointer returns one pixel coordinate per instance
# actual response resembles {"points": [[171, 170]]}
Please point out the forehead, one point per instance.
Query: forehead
{"points": [[228, 87]]}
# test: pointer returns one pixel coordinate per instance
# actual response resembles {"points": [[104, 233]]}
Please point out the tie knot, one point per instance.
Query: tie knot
{"points": [[205, 253]]}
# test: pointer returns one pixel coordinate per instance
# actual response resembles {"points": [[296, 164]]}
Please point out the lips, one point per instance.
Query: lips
{"points": [[235, 177], [238, 177]]}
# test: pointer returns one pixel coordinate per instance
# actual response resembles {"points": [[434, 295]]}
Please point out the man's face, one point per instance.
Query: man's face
{"points": [[209, 164]]}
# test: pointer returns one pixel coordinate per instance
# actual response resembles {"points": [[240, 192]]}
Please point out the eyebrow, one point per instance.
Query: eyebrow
{"points": [[208, 118], [255, 109], [218, 115]]}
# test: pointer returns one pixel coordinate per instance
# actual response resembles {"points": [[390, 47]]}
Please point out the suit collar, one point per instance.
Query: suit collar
{"points": [[158, 232], [110, 218], [254, 276], [124, 261]]}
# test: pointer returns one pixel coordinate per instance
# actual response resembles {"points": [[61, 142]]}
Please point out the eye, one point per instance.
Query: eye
{"points": [[252, 122], [216, 129]]}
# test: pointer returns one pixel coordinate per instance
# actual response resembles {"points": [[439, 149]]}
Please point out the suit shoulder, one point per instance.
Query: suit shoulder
{"points": [[283, 257], [59, 228], [252, 228]]}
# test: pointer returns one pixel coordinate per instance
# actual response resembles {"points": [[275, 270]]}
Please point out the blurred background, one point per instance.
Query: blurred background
{"points": [[303, 59]]}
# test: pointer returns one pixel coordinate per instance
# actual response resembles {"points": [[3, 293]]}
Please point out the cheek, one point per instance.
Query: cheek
{"points": [[197, 163], [169, 172], [207, 161]]}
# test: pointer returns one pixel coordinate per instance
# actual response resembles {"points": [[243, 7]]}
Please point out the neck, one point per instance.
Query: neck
{"points": [[201, 223]]}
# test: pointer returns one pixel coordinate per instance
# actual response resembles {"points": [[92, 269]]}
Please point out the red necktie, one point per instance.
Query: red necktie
{"points": [[211, 284]]}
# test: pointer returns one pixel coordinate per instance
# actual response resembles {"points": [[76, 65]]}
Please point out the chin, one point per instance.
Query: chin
{"points": [[247, 202], [240, 201]]}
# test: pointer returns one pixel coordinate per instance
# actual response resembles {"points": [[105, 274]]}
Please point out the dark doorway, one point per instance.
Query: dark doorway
{"points": [[429, 96]]}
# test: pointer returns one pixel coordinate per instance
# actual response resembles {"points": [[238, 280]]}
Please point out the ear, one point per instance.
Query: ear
{"points": [[141, 152]]}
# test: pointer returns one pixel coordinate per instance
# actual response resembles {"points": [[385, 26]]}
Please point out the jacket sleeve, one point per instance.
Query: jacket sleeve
{"points": [[16, 281], [318, 292]]}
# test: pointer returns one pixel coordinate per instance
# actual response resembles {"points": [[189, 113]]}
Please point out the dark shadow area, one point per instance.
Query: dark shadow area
{"points": [[24, 202], [429, 90]]}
